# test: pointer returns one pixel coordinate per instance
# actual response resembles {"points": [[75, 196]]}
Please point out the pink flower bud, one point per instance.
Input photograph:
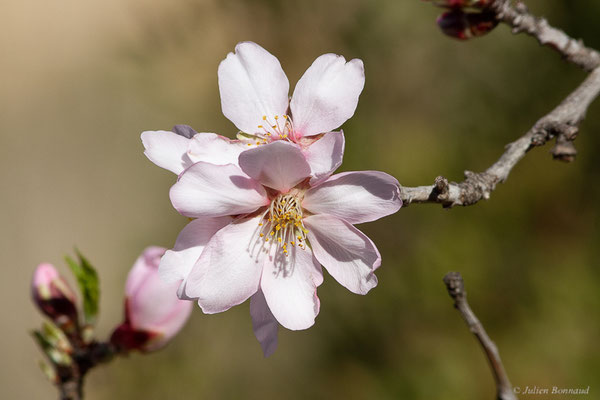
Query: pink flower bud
{"points": [[466, 25], [153, 312], [54, 297]]}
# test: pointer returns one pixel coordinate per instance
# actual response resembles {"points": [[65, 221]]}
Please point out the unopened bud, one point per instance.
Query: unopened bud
{"points": [[466, 25], [54, 297], [153, 312]]}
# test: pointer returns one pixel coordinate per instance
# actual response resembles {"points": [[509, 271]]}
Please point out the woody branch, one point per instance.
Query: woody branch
{"points": [[562, 123], [456, 289]]}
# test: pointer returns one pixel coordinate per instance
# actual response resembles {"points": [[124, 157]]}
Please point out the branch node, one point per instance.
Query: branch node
{"points": [[541, 134], [455, 285], [441, 189], [563, 150]]}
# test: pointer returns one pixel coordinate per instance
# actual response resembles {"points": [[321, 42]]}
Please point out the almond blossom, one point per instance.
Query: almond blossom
{"points": [[254, 96], [262, 230]]}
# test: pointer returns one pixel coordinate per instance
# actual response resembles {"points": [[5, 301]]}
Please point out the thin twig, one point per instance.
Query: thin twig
{"points": [[456, 289], [85, 357], [71, 390], [520, 20], [561, 124]]}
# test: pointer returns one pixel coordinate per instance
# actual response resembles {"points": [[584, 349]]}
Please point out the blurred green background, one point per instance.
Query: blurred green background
{"points": [[80, 80]]}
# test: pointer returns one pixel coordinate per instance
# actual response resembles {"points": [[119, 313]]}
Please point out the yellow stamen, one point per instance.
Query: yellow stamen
{"points": [[282, 221]]}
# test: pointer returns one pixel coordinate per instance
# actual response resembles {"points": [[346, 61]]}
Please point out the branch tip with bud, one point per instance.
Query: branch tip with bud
{"points": [[67, 340]]}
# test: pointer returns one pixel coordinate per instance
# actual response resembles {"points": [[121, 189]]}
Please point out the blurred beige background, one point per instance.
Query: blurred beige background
{"points": [[79, 81]]}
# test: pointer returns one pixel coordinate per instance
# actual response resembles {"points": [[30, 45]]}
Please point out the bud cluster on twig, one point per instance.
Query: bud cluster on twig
{"points": [[153, 315]]}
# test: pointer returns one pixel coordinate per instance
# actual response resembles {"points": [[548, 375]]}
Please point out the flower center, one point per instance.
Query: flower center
{"points": [[278, 128], [282, 222]]}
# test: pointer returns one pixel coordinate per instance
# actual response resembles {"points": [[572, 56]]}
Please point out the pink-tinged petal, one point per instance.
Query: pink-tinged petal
{"points": [[215, 149], [327, 94], [44, 275], [177, 263], [229, 269], [143, 267], [279, 165], [290, 288], [208, 190], [356, 197], [252, 85], [152, 304], [345, 252], [165, 325], [166, 149], [264, 324], [325, 155]]}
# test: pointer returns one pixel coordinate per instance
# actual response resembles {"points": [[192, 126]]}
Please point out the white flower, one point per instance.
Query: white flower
{"points": [[262, 230], [267, 211]]}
